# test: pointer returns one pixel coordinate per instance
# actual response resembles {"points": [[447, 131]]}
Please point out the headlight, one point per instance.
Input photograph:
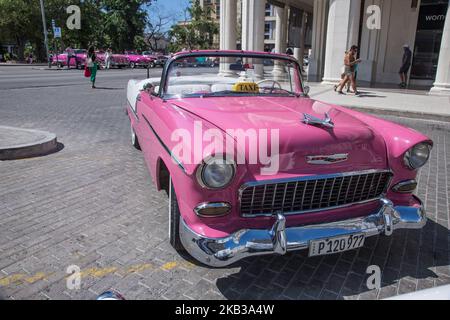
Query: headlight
{"points": [[216, 172], [417, 156]]}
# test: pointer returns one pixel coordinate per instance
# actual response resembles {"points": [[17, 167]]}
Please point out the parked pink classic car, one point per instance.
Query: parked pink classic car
{"points": [[117, 60], [253, 166], [77, 61], [138, 60]]}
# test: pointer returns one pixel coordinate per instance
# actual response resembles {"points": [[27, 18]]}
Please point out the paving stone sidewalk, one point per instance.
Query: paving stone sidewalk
{"points": [[92, 204]]}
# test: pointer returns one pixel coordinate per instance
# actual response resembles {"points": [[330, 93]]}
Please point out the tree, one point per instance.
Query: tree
{"points": [[104, 23], [156, 29], [17, 18], [125, 19], [198, 32]]}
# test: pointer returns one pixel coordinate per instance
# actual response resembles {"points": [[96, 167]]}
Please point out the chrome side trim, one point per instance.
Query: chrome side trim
{"points": [[178, 162], [221, 252]]}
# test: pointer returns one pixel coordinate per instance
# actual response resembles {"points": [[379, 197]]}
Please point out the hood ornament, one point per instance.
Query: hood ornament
{"points": [[329, 159], [309, 119]]}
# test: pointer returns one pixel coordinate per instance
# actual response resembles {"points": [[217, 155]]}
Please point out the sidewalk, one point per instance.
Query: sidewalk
{"points": [[396, 101]]}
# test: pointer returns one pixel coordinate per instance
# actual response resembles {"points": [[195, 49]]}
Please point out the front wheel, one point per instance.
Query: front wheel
{"points": [[132, 65], [134, 139], [174, 219]]}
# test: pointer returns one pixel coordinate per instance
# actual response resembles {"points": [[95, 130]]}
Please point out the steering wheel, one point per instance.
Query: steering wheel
{"points": [[273, 84]]}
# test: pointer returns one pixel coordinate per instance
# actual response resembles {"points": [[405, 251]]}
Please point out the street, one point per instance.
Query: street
{"points": [[93, 205]]}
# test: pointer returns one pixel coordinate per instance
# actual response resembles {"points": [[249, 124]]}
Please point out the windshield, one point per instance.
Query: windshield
{"points": [[214, 76]]}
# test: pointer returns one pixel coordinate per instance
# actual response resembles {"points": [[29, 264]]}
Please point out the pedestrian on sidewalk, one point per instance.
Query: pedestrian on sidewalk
{"points": [[108, 56], [91, 63], [70, 55], [342, 77], [350, 63], [406, 64]]}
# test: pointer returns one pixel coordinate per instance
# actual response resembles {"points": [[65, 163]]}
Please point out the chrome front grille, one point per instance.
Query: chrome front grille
{"points": [[312, 193]]}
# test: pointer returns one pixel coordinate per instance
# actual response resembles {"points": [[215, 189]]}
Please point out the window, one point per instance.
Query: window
{"points": [[268, 12]]}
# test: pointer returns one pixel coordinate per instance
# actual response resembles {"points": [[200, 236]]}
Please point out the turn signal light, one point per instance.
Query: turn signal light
{"points": [[212, 209], [405, 186]]}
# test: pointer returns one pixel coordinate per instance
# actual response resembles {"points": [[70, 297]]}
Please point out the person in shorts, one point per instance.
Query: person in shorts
{"points": [[350, 62]]}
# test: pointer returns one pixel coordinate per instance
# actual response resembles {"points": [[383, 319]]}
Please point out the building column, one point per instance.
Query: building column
{"points": [[228, 21], [302, 38], [280, 39], [342, 33], [253, 20], [442, 82], [281, 29], [316, 60]]}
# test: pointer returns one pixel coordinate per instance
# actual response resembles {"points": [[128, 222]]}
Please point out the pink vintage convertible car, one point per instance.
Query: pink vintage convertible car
{"points": [[138, 60], [117, 60], [253, 166], [78, 59]]}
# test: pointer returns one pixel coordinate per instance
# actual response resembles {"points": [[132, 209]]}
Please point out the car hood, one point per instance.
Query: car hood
{"points": [[365, 147]]}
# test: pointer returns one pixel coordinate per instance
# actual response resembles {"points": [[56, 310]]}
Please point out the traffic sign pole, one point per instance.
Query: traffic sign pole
{"points": [[44, 24]]}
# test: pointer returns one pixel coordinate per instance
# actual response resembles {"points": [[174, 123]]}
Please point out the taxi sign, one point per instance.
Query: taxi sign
{"points": [[246, 87]]}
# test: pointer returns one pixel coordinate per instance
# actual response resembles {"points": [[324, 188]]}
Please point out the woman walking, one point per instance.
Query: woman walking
{"points": [[91, 63], [350, 63]]}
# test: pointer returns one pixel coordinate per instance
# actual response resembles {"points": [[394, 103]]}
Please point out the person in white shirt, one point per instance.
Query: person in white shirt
{"points": [[108, 56]]}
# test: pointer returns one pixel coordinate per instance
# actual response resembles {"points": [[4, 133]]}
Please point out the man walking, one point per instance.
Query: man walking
{"points": [[406, 64]]}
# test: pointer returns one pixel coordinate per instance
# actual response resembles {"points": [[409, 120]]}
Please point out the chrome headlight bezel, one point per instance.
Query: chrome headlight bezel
{"points": [[202, 171], [409, 160]]}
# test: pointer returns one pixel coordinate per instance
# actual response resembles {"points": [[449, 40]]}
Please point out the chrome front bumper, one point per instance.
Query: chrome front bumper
{"points": [[220, 252]]}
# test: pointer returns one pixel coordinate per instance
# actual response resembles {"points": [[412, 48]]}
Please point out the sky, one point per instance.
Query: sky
{"points": [[173, 8]]}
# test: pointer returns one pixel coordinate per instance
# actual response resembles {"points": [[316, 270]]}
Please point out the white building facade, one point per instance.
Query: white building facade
{"points": [[325, 29]]}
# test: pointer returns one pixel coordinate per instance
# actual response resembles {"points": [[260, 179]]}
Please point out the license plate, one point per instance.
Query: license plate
{"points": [[336, 244]]}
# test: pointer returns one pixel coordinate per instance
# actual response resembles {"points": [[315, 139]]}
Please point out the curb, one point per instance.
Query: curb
{"points": [[44, 144], [22, 65]]}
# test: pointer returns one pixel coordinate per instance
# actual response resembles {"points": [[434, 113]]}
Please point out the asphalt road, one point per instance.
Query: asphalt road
{"points": [[93, 205]]}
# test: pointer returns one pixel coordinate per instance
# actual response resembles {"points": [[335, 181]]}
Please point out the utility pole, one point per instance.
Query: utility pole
{"points": [[44, 24]]}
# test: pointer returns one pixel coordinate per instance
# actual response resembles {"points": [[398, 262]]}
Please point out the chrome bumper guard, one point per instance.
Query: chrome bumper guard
{"points": [[221, 252]]}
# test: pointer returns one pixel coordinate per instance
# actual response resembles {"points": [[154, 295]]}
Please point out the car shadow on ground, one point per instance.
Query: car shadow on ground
{"points": [[408, 260]]}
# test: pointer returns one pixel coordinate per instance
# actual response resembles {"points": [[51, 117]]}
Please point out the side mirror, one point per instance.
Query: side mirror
{"points": [[306, 90]]}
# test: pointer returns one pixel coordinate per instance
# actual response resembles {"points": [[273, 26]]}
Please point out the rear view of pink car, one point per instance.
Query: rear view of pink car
{"points": [[77, 60]]}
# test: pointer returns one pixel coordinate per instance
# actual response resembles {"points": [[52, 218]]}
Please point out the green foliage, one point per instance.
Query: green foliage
{"points": [[104, 23], [198, 33], [140, 44]]}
